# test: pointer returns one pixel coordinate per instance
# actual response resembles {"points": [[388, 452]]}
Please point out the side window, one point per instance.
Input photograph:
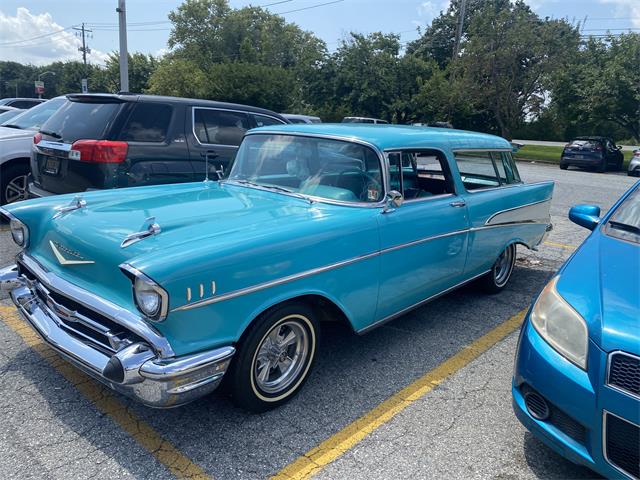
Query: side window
{"points": [[419, 174], [513, 176], [477, 170], [219, 127], [264, 120], [149, 122]]}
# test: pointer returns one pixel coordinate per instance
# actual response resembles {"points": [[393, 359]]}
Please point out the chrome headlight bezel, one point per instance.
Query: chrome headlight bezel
{"points": [[141, 285], [560, 325], [19, 230]]}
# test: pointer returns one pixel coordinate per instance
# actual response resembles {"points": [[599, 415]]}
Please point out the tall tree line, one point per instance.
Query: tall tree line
{"points": [[515, 74]]}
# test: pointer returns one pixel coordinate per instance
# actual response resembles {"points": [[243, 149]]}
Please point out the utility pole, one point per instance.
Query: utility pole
{"points": [[124, 54], [84, 48], [456, 50]]}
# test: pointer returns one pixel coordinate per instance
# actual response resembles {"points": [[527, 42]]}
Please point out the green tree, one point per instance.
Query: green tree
{"points": [[179, 78]]}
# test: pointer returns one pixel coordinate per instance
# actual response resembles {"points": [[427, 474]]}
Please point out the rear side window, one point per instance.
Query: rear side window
{"points": [[219, 127], [265, 121], [81, 120], [477, 170], [23, 104], [149, 122]]}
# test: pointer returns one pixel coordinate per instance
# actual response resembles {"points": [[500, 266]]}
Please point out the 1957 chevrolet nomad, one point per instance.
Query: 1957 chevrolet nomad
{"points": [[160, 291]]}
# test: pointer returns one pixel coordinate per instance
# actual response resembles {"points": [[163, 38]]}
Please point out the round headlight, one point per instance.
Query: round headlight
{"points": [[19, 232], [148, 298]]}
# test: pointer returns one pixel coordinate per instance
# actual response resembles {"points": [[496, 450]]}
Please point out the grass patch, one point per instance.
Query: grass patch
{"points": [[550, 154]]}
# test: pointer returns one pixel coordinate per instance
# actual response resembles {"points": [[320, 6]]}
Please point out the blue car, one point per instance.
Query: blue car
{"points": [[576, 382], [161, 291]]}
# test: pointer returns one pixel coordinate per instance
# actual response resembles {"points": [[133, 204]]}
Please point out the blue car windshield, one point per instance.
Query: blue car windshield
{"points": [[625, 221], [315, 167]]}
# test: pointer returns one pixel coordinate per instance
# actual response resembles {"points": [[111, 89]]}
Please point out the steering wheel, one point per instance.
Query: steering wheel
{"points": [[366, 178]]}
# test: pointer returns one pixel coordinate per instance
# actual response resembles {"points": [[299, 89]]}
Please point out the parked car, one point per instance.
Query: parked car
{"points": [[634, 164], [24, 103], [295, 118], [5, 108], [162, 291], [362, 120], [98, 141], [576, 384], [16, 140], [9, 114], [600, 153]]}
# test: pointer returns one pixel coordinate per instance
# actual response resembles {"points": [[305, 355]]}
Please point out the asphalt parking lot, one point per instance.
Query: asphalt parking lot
{"points": [[425, 396]]}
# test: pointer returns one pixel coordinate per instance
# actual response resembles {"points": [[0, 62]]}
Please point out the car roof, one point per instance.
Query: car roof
{"points": [[388, 136], [592, 137], [135, 97]]}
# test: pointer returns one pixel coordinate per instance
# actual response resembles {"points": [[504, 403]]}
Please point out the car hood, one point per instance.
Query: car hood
{"points": [[189, 215], [601, 282], [11, 133]]}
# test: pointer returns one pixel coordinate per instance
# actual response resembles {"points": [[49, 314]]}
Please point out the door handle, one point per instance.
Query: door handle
{"points": [[458, 204]]}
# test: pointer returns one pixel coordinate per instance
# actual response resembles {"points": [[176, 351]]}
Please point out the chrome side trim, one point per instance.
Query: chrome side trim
{"points": [[393, 316], [510, 185], [104, 307], [314, 271], [513, 209], [272, 283], [604, 441], [614, 387]]}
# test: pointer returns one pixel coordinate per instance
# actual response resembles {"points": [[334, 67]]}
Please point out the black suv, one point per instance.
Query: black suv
{"points": [[592, 152], [97, 141]]}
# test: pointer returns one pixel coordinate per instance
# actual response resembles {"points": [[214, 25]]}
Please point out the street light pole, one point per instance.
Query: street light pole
{"points": [[124, 54]]}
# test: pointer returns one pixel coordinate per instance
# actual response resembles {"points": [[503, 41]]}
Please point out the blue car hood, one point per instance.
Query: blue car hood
{"points": [[602, 282]]}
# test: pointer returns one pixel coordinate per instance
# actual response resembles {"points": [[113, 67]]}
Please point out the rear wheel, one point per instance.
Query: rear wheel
{"points": [[602, 168], [563, 166], [498, 277], [13, 183], [275, 357]]}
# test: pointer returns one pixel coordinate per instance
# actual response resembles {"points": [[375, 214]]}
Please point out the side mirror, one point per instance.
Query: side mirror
{"points": [[587, 216], [394, 200]]}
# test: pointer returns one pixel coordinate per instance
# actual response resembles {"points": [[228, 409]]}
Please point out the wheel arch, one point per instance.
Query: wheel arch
{"points": [[15, 161], [327, 309]]}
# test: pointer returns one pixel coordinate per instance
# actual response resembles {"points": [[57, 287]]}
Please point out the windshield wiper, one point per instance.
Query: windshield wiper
{"points": [[274, 188], [51, 134], [624, 226], [11, 125]]}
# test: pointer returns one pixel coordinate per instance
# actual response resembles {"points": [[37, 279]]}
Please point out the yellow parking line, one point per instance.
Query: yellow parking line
{"points": [[107, 402], [561, 245], [337, 445]]}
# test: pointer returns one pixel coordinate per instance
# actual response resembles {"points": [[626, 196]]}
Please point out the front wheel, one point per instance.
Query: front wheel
{"points": [[495, 280], [275, 358]]}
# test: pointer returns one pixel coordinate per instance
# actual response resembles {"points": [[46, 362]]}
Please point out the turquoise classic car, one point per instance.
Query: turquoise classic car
{"points": [[161, 291]]}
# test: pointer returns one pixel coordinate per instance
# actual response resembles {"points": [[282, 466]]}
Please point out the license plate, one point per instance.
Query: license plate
{"points": [[52, 166], [579, 157]]}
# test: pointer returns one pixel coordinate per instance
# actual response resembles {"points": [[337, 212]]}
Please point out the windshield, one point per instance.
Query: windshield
{"points": [[317, 167], [33, 118], [9, 114], [625, 221]]}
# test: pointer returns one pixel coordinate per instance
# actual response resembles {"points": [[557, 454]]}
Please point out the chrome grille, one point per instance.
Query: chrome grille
{"points": [[90, 327], [624, 372]]}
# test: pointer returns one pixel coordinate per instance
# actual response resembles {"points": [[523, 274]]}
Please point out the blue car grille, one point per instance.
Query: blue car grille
{"points": [[622, 445], [624, 372]]}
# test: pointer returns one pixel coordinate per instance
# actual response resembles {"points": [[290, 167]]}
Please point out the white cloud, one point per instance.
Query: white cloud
{"points": [[17, 42], [429, 10], [626, 9]]}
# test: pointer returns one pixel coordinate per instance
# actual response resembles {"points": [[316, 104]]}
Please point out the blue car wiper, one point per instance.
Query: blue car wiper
{"points": [[624, 226]]}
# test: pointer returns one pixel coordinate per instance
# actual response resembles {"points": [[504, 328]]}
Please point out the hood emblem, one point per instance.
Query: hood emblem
{"points": [[76, 204], [148, 229], [62, 252]]}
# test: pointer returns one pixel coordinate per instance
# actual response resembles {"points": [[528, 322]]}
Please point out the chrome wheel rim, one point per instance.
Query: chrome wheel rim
{"points": [[504, 265], [281, 356], [16, 189]]}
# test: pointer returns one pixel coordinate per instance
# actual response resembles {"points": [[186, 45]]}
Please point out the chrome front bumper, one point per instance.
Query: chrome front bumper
{"points": [[141, 370]]}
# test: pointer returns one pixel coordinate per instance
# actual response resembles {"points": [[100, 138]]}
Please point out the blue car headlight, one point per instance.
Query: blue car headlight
{"points": [[560, 325]]}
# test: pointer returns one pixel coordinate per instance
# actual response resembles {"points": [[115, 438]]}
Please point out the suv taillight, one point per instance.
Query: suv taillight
{"points": [[36, 138], [99, 151]]}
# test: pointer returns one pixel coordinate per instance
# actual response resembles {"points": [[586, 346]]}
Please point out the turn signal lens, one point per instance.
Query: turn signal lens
{"points": [[99, 151], [36, 138]]}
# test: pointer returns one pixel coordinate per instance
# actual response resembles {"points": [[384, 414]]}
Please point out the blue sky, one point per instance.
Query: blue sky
{"points": [[22, 20]]}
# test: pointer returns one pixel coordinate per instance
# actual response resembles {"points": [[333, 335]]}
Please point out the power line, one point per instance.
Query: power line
{"points": [[310, 7], [36, 37]]}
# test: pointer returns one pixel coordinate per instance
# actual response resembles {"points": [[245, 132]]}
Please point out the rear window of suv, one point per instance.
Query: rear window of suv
{"points": [[148, 122], [81, 120]]}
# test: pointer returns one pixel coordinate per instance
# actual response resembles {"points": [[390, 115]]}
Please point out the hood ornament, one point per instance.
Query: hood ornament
{"points": [[60, 251], [76, 204], [149, 228]]}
